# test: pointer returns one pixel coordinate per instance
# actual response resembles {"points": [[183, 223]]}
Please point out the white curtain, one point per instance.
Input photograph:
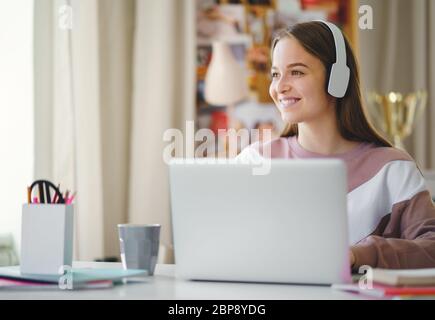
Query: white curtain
{"points": [[399, 55], [163, 98], [105, 92], [68, 144]]}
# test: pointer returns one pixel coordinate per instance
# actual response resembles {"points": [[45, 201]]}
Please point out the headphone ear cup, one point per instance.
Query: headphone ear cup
{"points": [[338, 80]]}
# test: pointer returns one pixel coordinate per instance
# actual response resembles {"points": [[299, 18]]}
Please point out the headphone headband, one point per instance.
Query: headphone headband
{"points": [[340, 73], [340, 45]]}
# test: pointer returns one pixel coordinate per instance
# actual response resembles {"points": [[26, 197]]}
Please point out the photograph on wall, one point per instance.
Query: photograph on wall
{"points": [[220, 21]]}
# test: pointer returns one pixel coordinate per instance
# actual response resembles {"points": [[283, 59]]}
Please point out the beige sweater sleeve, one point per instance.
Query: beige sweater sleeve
{"points": [[403, 239]]}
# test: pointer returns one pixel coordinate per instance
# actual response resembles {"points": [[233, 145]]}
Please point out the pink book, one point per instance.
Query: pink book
{"points": [[381, 291]]}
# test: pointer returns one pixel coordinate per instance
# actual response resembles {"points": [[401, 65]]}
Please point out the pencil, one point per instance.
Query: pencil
{"points": [[41, 192], [29, 195], [56, 195], [55, 198], [70, 200]]}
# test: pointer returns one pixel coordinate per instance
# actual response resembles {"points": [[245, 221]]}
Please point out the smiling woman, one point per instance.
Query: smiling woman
{"points": [[390, 211], [300, 46], [16, 111], [297, 84]]}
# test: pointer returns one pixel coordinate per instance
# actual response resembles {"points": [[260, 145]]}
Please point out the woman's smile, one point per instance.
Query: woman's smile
{"points": [[288, 102]]}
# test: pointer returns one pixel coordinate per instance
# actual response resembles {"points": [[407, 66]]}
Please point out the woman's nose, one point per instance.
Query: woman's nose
{"points": [[283, 85]]}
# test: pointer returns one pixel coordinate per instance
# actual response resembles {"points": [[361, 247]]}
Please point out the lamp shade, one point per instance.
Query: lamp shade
{"points": [[225, 82]]}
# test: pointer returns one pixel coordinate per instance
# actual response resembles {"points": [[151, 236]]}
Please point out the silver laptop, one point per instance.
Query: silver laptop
{"points": [[287, 226]]}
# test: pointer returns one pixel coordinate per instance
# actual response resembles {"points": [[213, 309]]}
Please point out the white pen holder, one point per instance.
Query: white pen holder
{"points": [[46, 238]]}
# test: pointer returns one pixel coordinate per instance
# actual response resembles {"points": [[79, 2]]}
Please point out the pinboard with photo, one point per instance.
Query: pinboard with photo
{"points": [[249, 27]]}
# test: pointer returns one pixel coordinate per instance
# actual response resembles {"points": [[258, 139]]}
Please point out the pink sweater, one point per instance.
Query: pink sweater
{"points": [[390, 211]]}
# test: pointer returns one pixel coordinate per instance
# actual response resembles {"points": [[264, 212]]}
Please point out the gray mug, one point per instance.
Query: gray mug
{"points": [[139, 246]]}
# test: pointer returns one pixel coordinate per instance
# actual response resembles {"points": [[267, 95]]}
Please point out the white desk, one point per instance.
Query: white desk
{"points": [[165, 286]]}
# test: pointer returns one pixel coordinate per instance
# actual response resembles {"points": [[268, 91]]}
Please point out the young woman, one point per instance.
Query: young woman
{"points": [[390, 211]]}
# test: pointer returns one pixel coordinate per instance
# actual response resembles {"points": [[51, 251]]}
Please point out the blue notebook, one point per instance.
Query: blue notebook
{"points": [[79, 275]]}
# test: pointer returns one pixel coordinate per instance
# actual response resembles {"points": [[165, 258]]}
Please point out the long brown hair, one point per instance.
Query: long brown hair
{"points": [[351, 116]]}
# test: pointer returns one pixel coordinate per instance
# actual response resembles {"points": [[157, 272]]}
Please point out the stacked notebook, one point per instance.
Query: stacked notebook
{"points": [[391, 283], [12, 279], [405, 277]]}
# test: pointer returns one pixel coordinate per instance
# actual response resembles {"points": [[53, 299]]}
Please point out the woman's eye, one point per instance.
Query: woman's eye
{"points": [[274, 75], [297, 73]]}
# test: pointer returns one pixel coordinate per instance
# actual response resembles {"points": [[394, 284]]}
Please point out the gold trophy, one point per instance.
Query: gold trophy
{"points": [[395, 114]]}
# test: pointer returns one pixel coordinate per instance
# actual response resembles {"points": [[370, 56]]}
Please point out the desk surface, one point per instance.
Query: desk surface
{"points": [[165, 286]]}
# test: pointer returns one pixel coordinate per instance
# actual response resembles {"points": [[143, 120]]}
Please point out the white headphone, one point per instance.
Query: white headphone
{"points": [[340, 73]]}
